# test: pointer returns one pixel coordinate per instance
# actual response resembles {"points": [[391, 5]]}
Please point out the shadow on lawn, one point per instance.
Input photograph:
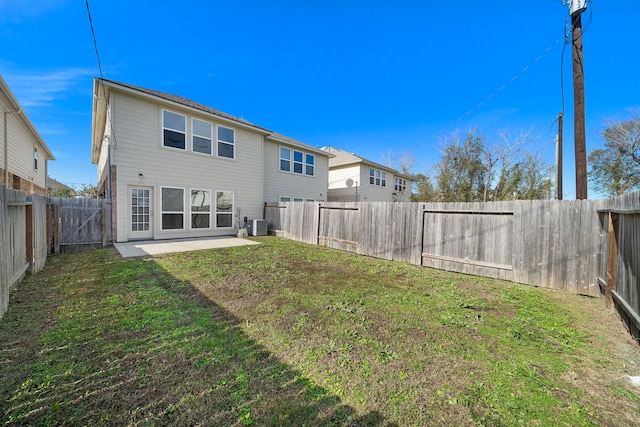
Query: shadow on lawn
{"points": [[147, 348]]}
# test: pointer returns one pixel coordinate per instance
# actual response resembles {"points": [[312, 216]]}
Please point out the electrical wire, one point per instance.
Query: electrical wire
{"points": [[497, 91], [93, 34]]}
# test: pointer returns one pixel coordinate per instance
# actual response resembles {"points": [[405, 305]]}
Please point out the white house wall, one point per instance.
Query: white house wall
{"points": [[137, 149], [287, 184], [21, 143], [347, 181]]}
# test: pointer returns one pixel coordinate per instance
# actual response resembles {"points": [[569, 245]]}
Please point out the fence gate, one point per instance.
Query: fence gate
{"points": [[77, 224]]}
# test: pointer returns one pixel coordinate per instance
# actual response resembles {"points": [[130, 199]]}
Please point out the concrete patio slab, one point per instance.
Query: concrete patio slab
{"points": [[158, 247]]}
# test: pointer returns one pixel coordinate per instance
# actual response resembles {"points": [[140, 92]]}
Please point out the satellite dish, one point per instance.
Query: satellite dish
{"points": [[349, 182]]}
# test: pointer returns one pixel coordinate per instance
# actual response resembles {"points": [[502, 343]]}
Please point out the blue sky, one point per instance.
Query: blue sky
{"points": [[364, 76]]}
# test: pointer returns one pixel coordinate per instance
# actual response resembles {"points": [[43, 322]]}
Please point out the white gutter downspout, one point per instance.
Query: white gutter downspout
{"points": [[6, 148]]}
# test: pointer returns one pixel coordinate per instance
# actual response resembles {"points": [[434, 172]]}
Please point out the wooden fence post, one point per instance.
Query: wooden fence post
{"points": [[28, 213], [612, 262]]}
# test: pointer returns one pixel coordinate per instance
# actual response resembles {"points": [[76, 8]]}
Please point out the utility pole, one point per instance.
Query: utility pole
{"points": [[576, 9], [559, 157]]}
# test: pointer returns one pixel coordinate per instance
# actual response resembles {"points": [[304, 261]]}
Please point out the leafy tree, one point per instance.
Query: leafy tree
{"points": [[471, 170], [615, 169], [88, 191], [461, 173], [424, 189]]}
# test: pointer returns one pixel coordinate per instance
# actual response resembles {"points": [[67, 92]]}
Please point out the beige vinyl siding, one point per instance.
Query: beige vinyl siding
{"points": [[139, 150], [373, 193], [339, 179], [288, 184], [21, 143]]}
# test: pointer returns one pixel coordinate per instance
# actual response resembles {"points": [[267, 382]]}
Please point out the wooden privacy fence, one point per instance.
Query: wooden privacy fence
{"points": [[619, 273], [562, 245], [22, 239], [31, 227]]}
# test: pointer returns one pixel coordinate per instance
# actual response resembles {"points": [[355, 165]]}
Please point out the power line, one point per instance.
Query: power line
{"points": [[500, 89], [95, 43]]}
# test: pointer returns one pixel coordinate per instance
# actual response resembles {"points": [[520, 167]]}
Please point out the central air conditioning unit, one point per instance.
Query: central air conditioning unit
{"points": [[257, 227]]}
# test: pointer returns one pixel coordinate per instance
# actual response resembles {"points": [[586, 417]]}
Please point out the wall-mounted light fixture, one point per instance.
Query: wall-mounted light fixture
{"points": [[140, 175]]}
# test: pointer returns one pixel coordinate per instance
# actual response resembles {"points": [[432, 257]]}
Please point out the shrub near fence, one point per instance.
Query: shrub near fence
{"points": [[562, 245]]}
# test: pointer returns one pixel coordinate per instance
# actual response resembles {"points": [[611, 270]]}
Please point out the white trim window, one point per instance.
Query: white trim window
{"points": [[174, 130], [298, 157], [284, 199], [224, 209], [35, 158], [226, 142], [285, 159], [399, 184], [300, 162], [172, 207], [377, 177], [201, 136], [309, 164], [200, 209]]}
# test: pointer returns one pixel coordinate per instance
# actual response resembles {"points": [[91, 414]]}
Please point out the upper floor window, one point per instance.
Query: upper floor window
{"points": [[35, 158], [285, 159], [399, 184], [301, 163], [377, 177], [297, 162], [201, 136], [226, 142], [310, 161], [174, 130]]}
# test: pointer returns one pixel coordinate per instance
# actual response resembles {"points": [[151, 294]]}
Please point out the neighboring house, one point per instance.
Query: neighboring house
{"points": [[174, 168], [356, 179], [58, 189], [23, 152]]}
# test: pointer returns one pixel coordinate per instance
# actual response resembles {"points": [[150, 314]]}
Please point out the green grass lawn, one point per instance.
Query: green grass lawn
{"points": [[285, 333]]}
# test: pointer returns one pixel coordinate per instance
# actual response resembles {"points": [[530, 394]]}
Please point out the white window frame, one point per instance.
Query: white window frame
{"points": [[164, 145], [287, 159], [400, 184], [308, 165], [377, 178], [193, 212], [219, 141], [284, 199], [300, 163], [163, 212], [35, 158], [233, 203], [195, 135]]}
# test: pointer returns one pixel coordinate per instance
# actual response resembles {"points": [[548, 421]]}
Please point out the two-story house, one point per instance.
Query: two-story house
{"points": [[174, 168], [23, 152], [355, 179]]}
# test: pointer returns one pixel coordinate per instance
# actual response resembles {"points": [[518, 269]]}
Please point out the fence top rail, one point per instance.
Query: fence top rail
{"points": [[340, 208], [19, 203], [620, 211], [469, 211]]}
